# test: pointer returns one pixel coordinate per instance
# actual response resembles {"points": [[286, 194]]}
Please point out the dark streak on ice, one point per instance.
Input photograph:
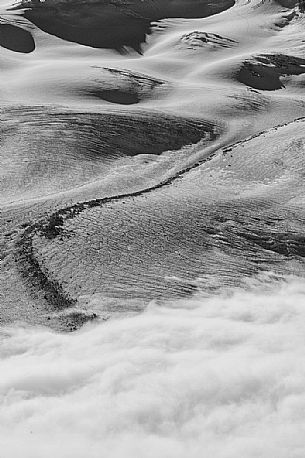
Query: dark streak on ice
{"points": [[51, 227], [256, 233]]}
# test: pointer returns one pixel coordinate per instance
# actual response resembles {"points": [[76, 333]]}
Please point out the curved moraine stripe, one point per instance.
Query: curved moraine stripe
{"points": [[96, 202], [167, 241]]}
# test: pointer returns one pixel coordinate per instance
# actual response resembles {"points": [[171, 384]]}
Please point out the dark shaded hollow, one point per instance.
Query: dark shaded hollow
{"points": [[264, 72], [118, 96], [105, 135], [111, 135], [112, 24], [122, 86], [16, 39], [52, 150]]}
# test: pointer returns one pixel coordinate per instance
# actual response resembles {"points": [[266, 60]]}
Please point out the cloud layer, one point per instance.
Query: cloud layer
{"points": [[219, 377]]}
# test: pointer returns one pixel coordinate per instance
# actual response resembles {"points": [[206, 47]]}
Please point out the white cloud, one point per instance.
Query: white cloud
{"points": [[203, 378]]}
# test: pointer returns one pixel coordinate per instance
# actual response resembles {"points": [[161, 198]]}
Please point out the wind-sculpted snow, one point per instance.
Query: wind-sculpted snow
{"points": [[119, 176], [152, 244], [112, 24]]}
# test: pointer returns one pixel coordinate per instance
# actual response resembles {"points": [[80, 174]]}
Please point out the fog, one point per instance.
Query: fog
{"points": [[213, 377]]}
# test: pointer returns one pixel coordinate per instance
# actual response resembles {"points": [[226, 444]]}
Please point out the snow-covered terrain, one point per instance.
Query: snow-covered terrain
{"points": [[152, 200]]}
